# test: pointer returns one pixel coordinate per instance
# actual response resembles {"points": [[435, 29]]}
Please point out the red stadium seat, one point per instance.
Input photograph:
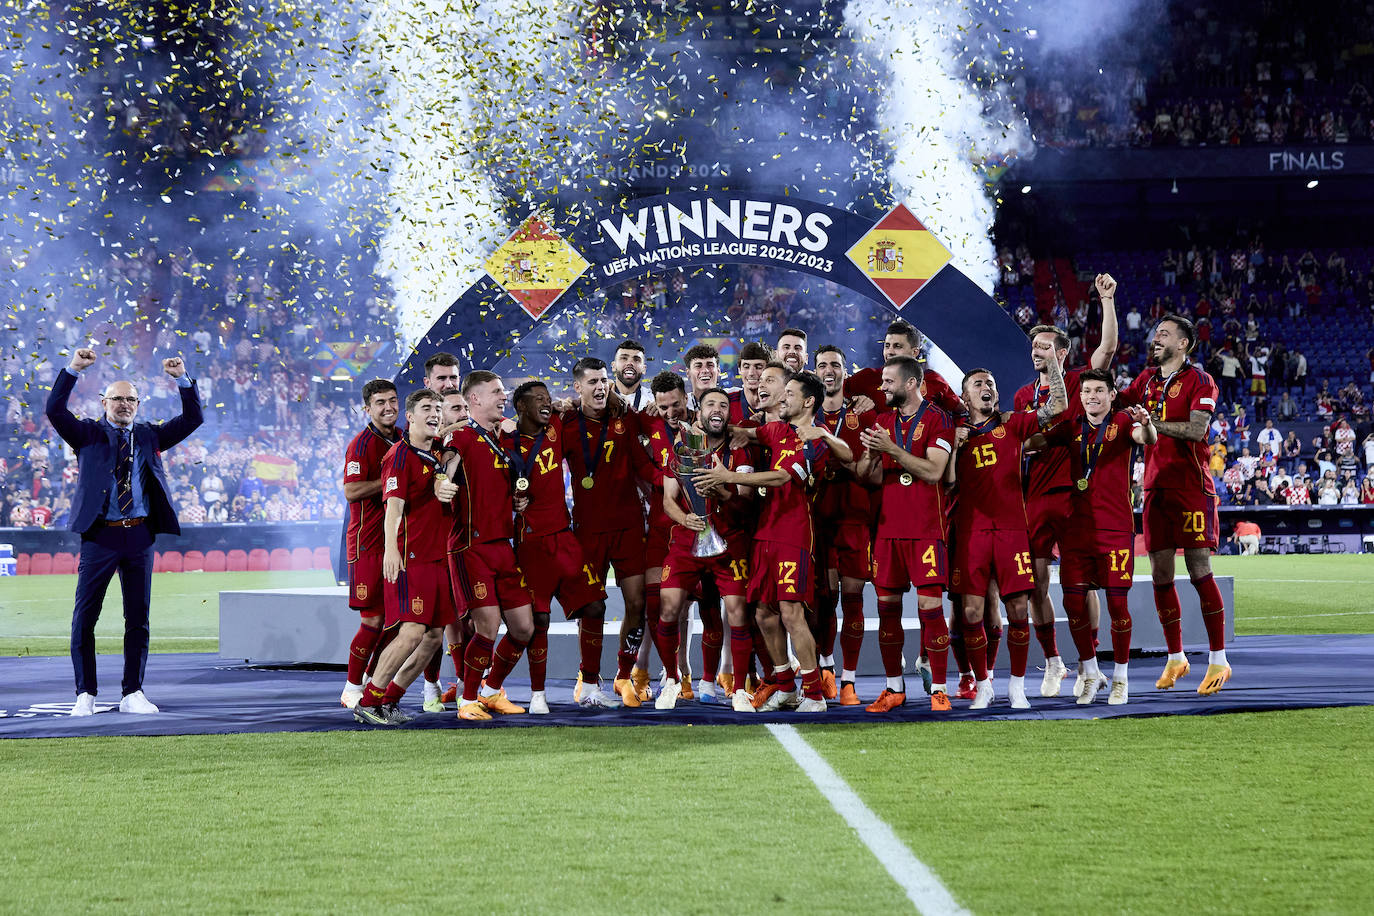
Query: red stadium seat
{"points": [[172, 561], [194, 561], [236, 561], [22, 564], [215, 561], [321, 559], [280, 559], [64, 563], [301, 558], [258, 560], [40, 564]]}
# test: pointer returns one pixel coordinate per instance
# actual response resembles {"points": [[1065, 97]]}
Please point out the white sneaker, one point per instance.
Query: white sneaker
{"points": [[1119, 696], [1054, 677], [352, 693], [706, 691], [668, 694], [809, 705], [983, 698], [539, 703], [1016, 694], [778, 700], [84, 706], [742, 702], [1078, 683], [922, 667], [593, 697], [137, 703], [1091, 685]]}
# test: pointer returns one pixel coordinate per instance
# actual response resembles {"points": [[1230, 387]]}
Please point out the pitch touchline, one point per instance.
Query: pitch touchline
{"points": [[921, 885], [1304, 616]]}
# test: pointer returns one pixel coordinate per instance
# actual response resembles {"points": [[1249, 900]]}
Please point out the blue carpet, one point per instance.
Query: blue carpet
{"points": [[202, 695]]}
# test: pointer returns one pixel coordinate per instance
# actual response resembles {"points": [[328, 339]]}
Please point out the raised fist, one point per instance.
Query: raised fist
{"points": [[1106, 286], [83, 358], [174, 367]]}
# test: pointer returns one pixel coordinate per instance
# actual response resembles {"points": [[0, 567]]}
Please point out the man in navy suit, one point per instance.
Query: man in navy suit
{"points": [[122, 503]]}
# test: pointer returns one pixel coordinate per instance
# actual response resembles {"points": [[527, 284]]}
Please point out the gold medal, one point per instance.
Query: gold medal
{"points": [[763, 491], [1082, 483], [811, 480], [906, 479], [440, 476], [588, 482], [522, 484]]}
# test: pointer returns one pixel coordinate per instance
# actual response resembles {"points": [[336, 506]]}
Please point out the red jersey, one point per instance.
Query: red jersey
{"points": [[408, 474], [485, 509], [363, 462], [609, 454], [1175, 464], [1047, 470], [842, 499], [740, 407], [661, 440], [1102, 456], [914, 510], [786, 514], [539, 459], [869, 383], [988, 470], [732, 518]]}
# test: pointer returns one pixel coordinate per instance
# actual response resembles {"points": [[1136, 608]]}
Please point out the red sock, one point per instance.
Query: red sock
{"points": [[360, 650], [957, 647], [976, 648], [825, 622], [455, 652], [1044, 632], [935, 640], [591, 633], [1119, 607], [666, 641], [712, 642], [852, 632], [652, 598], [378, 648], [811, 684], [891, 639], [1213, 611], [539, 655], [372, 695], [786, 679], [994, 635], [1170, 617], [1080, 627], [432, 666], [476, 659], [741, 648], [1018, 646], [503, 662], [761, 649], [394, 692]]}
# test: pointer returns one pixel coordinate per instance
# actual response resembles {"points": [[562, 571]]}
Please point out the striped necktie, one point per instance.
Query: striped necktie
{"points": [[124, 474]]}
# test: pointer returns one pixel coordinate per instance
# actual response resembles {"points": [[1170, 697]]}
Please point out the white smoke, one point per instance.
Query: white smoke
{"points": [[939, 124]]}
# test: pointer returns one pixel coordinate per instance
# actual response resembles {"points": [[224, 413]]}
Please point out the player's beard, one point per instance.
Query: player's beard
{"points": [[630, 377], [715, 426], [896, 400]]}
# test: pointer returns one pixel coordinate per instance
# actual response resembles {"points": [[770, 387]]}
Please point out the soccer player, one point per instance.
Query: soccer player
{"points": [[908, 450], [992, 548], [455, 415], [844, 514], [781, 565], [1046, 475], [702, 362], [548, 553], [362, 484], [1180, 498], [481, 558], [419, 602], [1098, 549], [792, 349], [744, 401], [728, 510], [606, 461], [628, 367], [441, 373]]}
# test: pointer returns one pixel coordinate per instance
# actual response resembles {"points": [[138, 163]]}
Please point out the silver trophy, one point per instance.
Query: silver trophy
{"points": [[692, 455]]}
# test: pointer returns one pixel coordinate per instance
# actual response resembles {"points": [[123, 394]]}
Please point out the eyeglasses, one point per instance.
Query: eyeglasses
{"points": [[119, 399]]}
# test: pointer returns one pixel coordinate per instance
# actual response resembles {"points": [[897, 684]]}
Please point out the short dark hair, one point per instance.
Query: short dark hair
{"points": [[830, 348], [666, 381], [792, 332], [375, 387], [715, 390], [907, 330], [439, 359], [911, 368], [477, 377], [1185, 327], [778, 364], [755, 350], [700, 351], [1061, 340], [978, 370], [629, 344], [811, 387], [586, 364], [421, 394], [1098, 375], [522, 391]]}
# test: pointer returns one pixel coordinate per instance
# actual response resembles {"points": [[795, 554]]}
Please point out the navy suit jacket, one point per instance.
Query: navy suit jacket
{"points": [[95, 444]]}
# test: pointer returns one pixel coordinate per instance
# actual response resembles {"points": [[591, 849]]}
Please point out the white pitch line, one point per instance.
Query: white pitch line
{"points": [[1304, 616], [921, 885]]}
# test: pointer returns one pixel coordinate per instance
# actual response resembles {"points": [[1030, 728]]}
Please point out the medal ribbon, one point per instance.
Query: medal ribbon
{"points": [[588, 453], [1157, 405], [839, 420], [905, 439], [523, 467], [494, 445], [1091, 450]]}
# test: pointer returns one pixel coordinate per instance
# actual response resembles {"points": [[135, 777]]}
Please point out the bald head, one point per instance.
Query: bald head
{"points": [[120, 401]]}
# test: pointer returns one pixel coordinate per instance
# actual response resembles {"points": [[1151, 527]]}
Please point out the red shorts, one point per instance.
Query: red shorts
{"points": [[899, 563], [1047, 520], [1176, 519], [365, 584], [656, 547], [779, 572], [729, 571], [1109, 563], [486, 575], [623, 550], [979, 556], [554, 568], [420, 594], [851, 552]]}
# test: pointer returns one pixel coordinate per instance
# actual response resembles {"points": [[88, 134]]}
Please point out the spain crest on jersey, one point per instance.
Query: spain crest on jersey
{"points": [[885, 256], [618, 426], [417, 605], [552, 434], [1176, 389], [851, 421], [999, 433], [480, 591], [361, 592], [920, 429], [1111, 432]]}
